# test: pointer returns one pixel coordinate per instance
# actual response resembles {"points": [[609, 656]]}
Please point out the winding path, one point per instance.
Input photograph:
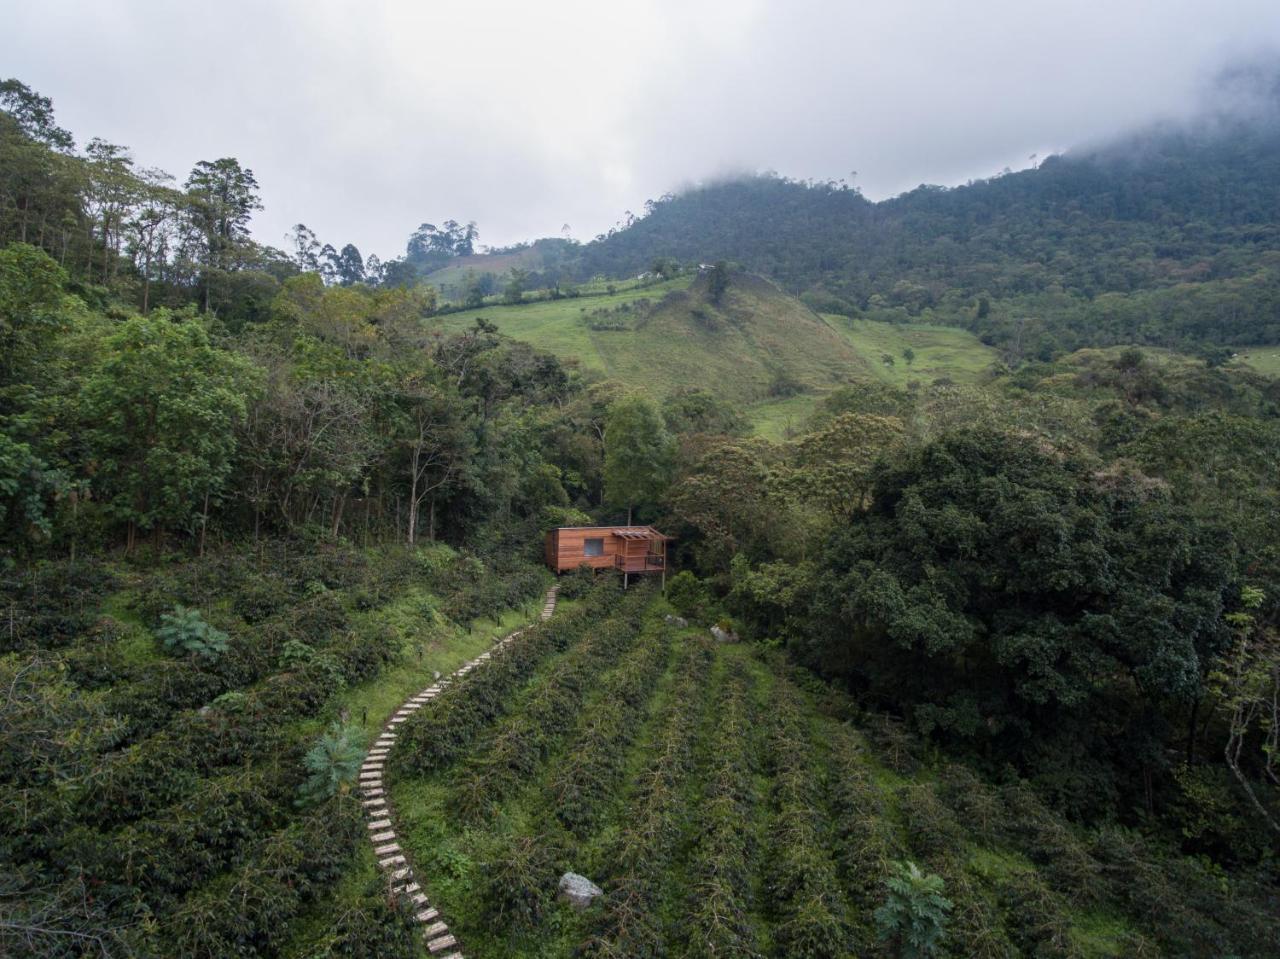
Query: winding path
{"points": [[391, 858]]}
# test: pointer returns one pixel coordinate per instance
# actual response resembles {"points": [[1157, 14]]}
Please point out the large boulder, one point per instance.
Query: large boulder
{"points": [[578, 891], [679, 622]]}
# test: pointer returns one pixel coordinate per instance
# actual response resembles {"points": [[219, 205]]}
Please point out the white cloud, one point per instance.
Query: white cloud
{"points": [[363, 120]]}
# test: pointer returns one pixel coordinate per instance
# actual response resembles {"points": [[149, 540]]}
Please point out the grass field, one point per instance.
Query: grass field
{"points": [[940, 351], [1260, 359]]}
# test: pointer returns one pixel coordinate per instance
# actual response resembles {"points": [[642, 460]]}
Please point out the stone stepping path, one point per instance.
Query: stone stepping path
{"points": [[391, 860]]}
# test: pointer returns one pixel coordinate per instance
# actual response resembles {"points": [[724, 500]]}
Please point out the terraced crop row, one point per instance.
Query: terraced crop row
{"points": [[717, 921], [434, 738], [806, 902], [514, 749], [630, 923], [594, 763]]}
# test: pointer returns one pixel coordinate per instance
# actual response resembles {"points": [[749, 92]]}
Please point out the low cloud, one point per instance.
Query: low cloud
{"points": [[365, 120]]}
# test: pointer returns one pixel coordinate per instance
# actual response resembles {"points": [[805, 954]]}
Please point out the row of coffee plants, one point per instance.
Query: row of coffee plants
{"points": [[592, 767], [717, 919], [865, 843], [643, 855], [435, 737], [547, 712], [149, 798], [805, 903]]}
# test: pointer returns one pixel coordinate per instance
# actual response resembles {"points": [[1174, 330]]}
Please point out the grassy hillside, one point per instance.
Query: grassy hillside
{"points": [[728, 805], [760, 348]]}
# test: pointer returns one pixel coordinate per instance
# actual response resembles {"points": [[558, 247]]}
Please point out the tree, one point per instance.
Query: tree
{"points": [[348, 266], [638, 453], [31, 290], [1248, 684], [224, 196], [913, 918], [718, 282], [34, 115], [517, 280], [161, 409], [433, 433], [306, 248]]}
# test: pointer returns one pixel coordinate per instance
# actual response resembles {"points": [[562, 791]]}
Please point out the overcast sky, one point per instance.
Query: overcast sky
{"points": [[364, 119]]}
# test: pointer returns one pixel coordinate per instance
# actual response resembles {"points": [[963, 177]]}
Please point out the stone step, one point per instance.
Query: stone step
{"points": [[371, 789], [441, 944], [387, 850], [383, 836], [420, 901], [380, 824], [435, 929], [392, 861], [402, 873]]}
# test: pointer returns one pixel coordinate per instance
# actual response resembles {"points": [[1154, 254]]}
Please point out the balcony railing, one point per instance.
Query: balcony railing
{"points": [[649, 562]]}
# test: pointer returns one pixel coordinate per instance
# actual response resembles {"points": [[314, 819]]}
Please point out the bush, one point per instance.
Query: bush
{"points": [[687, 594]]}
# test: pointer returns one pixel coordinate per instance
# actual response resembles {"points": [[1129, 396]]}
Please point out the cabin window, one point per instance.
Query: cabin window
{"points": [[593, 547]]}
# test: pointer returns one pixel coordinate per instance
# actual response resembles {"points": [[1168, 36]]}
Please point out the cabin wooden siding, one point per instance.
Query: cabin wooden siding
{"points": [[566, 549]]}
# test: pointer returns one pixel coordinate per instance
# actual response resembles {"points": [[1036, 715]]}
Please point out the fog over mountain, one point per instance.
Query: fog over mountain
{"points": [[366, 121]]}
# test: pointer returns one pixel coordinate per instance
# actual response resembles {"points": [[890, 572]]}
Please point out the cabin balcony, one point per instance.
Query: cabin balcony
{"points": [[648, 563]]}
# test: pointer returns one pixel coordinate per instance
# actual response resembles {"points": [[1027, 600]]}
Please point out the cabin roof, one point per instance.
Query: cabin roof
{"points": [[624, 532]]}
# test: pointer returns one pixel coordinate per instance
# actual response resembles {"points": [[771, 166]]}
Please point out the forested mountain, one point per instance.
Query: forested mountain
{"points": [[1167, 238]]}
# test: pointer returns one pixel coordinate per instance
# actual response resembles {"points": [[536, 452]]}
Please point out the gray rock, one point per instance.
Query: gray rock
{"points": [[723, 635], [679, 622], [578, 891]]}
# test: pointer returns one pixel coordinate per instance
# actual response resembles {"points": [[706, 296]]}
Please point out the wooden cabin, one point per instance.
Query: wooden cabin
{"points": [[628, 549]]}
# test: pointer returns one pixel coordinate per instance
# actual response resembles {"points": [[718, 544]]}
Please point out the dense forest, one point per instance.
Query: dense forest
{"points": [[1010, 659], [1166, 238]]}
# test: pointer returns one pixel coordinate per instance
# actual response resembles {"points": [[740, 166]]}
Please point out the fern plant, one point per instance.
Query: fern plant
{"points": [[913, 919], [333, 763], [185, 632]]}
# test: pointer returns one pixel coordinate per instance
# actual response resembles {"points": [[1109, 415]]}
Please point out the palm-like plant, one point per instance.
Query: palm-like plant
{"points": [[185, 631], [913, 918], [333, 763]]}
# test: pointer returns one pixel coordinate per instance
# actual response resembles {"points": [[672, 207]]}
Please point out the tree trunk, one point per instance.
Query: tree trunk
{"points": [[204, 521]]}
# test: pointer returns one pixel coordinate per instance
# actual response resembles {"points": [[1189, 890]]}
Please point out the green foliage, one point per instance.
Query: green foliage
{"points": [[162, 407], [184, 631], [638, 453], [687, 594], [913, 919], [332, 763], [1047, 581]]}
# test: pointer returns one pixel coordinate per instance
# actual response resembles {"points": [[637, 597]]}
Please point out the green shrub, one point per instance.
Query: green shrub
{"points": [[687, 594], [184, 631]]}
